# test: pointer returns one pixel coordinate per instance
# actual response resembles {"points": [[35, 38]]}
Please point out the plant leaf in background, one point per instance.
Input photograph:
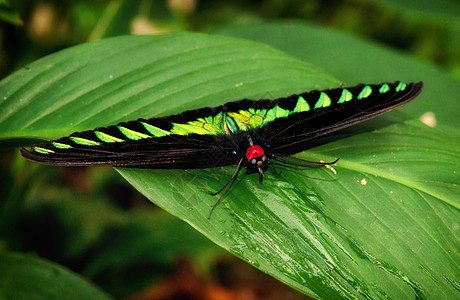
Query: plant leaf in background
{"points": [[147, 242], [8, 14], [379, 228], [24, 277], [445, 12]]}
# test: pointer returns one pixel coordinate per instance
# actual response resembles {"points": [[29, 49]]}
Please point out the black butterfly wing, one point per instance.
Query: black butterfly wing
{"points": [[342, 108], [141, 143]]}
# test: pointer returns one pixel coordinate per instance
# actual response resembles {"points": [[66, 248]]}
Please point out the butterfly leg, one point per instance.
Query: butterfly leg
{"points": [[272, 167]]}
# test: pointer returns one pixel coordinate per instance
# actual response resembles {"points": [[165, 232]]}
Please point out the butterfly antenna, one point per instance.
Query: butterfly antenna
{"points": [[225, 187]]}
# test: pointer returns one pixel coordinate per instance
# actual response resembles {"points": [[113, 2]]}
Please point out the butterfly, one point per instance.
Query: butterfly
{"points": [[247, 133]]}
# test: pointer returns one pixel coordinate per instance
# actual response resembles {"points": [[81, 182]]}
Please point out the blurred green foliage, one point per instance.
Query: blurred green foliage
{"points": [[428, 29], [90, 220]]}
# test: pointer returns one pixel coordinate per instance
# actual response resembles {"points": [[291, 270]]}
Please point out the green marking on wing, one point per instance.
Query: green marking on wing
{"points": [[241, 119], [323, 101], [242, 124], [257, 117], [384, 88], [365, 92], [204, 126], [155, 131], [107, 137], [247, 119], [42, 150], [301, 106], [217, 121], [270, 116], [345, 97], [84, 142], [212, 124], [209, 125], [275, 113], [131, 134], [281, 112], [230, 125], [242, 115], [401, 87], [189, 128], [61, 145]]}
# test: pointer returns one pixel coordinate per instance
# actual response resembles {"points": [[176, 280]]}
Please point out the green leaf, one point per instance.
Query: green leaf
{"points": [[124, 78], [442, 12], [144, 249], [385, 225], [8, 14], [393, 234], [355, 60], [26, 277]]}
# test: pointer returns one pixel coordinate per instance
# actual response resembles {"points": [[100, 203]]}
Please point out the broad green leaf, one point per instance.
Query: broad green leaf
{"points": [[393, 234], [27, 277], [355, 60], [125, 78], [385, 226]]}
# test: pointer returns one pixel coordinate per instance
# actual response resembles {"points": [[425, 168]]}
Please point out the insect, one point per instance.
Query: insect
{"points": [[247, 133]]}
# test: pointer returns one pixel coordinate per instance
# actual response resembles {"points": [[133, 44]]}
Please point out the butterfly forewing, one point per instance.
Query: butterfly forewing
{"points": [[333, 110]]}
